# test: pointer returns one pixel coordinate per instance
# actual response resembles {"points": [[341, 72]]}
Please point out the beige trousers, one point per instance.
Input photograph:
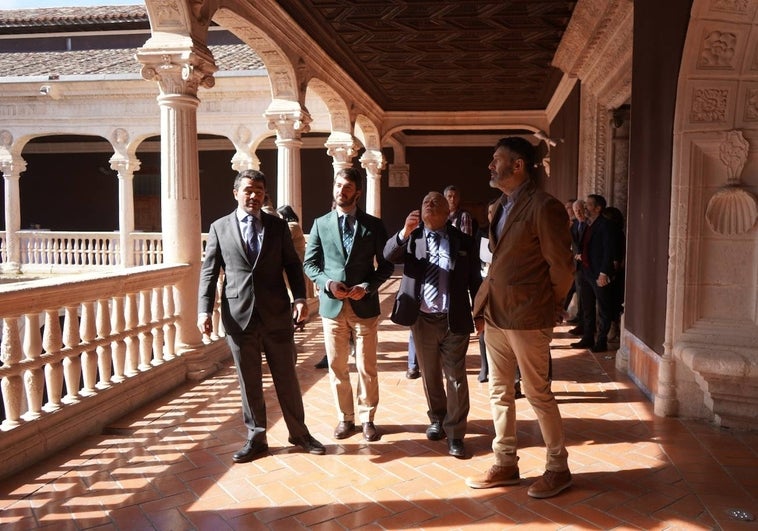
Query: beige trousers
{"points": [[531, 350], [337, 334]]}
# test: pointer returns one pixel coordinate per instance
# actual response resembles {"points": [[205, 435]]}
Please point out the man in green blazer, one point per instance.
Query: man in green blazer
{"points": [[344, 258]]}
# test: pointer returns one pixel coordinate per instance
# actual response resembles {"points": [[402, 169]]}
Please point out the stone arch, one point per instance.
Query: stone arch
{"points": [[367, 133], [339, 114]]}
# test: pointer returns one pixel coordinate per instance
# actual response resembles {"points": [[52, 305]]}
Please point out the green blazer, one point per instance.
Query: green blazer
{"points": [[325, 260]]}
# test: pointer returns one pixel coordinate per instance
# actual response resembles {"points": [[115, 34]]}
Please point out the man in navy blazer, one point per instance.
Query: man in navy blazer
{"points": [[439, 282], [253, 248]]}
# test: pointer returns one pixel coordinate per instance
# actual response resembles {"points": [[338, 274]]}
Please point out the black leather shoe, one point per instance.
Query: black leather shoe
{"points": [[584, 343], [599, 347], [434, 431], [323, 364], [369, 432], [455, 448], [483, 377], [309, 444], [412, 374], [250, 451], [518, 394], [577, 331], [344, 429]]}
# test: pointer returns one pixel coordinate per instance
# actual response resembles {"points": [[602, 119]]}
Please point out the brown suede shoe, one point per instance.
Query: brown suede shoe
{"points": [[497, 476], [550, 484], [344, 429]]}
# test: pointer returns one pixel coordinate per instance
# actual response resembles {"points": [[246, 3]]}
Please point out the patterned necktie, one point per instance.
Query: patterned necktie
{"points": [[347, 234], [251, 238], [432, 273]]}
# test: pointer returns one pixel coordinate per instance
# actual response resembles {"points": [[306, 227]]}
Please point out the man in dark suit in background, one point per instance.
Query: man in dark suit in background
{"points": [[254, 248], [441, 276], [343, 248], [597, 254]]}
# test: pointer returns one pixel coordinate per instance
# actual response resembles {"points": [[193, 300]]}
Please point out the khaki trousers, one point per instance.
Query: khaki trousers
{"points": [[337, 333], [530, 349]]}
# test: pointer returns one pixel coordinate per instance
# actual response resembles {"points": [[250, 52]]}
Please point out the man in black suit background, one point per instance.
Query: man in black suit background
{"points": [[441, 276], [254, 248], [597, 252]]}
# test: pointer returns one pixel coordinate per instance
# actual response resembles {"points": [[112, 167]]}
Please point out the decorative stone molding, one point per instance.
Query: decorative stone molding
{"points": [[732, 210], [288, 125], [342, 150], [718, 50], [177, 71]]}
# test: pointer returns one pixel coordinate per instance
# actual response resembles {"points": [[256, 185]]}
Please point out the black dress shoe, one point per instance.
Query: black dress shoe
{"points": [[599, 347], [577, 331], [323, 364], [369, 432], [584, 343], [518, 394], [455, 448], [309, 444], [344, 429], [250, 451], [412, 374], [483, 377], [434, 431]]}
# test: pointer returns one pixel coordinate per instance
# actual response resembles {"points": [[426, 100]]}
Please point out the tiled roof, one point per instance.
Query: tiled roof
{"points": [[27, 20], [228, 57]]}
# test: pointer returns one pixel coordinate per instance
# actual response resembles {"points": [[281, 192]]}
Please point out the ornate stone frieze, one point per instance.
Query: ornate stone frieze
{"points": [[732, 210], [740, 7], [718, 50], [709, 105]]}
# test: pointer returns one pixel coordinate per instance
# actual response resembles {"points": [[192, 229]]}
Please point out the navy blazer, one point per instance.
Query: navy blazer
{"points": [[601, 248], [248, 286], [463, 282]]}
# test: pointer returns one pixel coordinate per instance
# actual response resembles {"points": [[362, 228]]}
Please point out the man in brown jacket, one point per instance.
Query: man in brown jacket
{"points": [[519, 303]]}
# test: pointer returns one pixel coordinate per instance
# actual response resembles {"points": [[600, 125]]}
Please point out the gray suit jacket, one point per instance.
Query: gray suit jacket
{"points": [[464, 280], [247, 286]]}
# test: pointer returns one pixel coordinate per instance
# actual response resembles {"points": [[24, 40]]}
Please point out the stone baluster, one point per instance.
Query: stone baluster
{"points": [[146, 335], [169, 328], [34, 380], [88, 333], [52, 342], [157, 315], [118, 346], [72, 366], [11, 355], [132, 341], [104, 351], [373, 162]]}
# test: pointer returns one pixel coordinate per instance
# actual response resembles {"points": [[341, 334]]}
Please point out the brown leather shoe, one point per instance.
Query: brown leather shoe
{"points": [[496, 476], [344, 429], [369, 432], [550, 484]]}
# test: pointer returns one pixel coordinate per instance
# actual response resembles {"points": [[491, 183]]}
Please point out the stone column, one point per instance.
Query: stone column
{"points": [[125, 166], [342, 148], [12, 167], [373, 162], [178, 73], [289, 126]]}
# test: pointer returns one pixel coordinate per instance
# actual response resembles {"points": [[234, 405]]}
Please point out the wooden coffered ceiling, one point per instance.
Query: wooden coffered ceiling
{"points": [[442, 55]]}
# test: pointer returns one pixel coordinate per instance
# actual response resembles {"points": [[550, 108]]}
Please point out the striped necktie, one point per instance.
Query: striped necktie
{"points": [[432, 272], [347, 233]]}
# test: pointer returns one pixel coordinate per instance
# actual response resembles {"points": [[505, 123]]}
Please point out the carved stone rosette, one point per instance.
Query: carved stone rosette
{"points": [[732, 210]]}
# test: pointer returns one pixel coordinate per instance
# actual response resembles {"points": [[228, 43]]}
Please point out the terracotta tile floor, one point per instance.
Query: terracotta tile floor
{"points": [[168, 466]]}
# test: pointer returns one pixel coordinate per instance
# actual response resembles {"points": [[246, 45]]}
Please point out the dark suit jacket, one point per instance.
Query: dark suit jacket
{"points": [[464, 280], [247, 286], [325, 260], [601, 248], [532, 267]]}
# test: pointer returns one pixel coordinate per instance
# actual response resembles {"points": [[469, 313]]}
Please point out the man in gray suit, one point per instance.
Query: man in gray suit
{"points": [[253, 248], [343, 248], [441, 276]]}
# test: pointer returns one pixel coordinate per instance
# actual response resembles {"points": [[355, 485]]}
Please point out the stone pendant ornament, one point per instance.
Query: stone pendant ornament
{"points": [[732, 210]]}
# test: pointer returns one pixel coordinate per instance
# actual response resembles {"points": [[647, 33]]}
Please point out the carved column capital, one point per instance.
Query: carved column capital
{"points": [[178, 71], [125, 166], [289, 124], [342, 151], [373, 162]]}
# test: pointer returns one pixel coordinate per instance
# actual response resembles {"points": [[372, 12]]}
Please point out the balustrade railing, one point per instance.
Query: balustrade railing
{"points": [[66, 339], [42, 250]]}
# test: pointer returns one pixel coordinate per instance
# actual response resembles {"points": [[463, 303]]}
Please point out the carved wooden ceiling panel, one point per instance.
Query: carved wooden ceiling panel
{"points": [[442, 55]]}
